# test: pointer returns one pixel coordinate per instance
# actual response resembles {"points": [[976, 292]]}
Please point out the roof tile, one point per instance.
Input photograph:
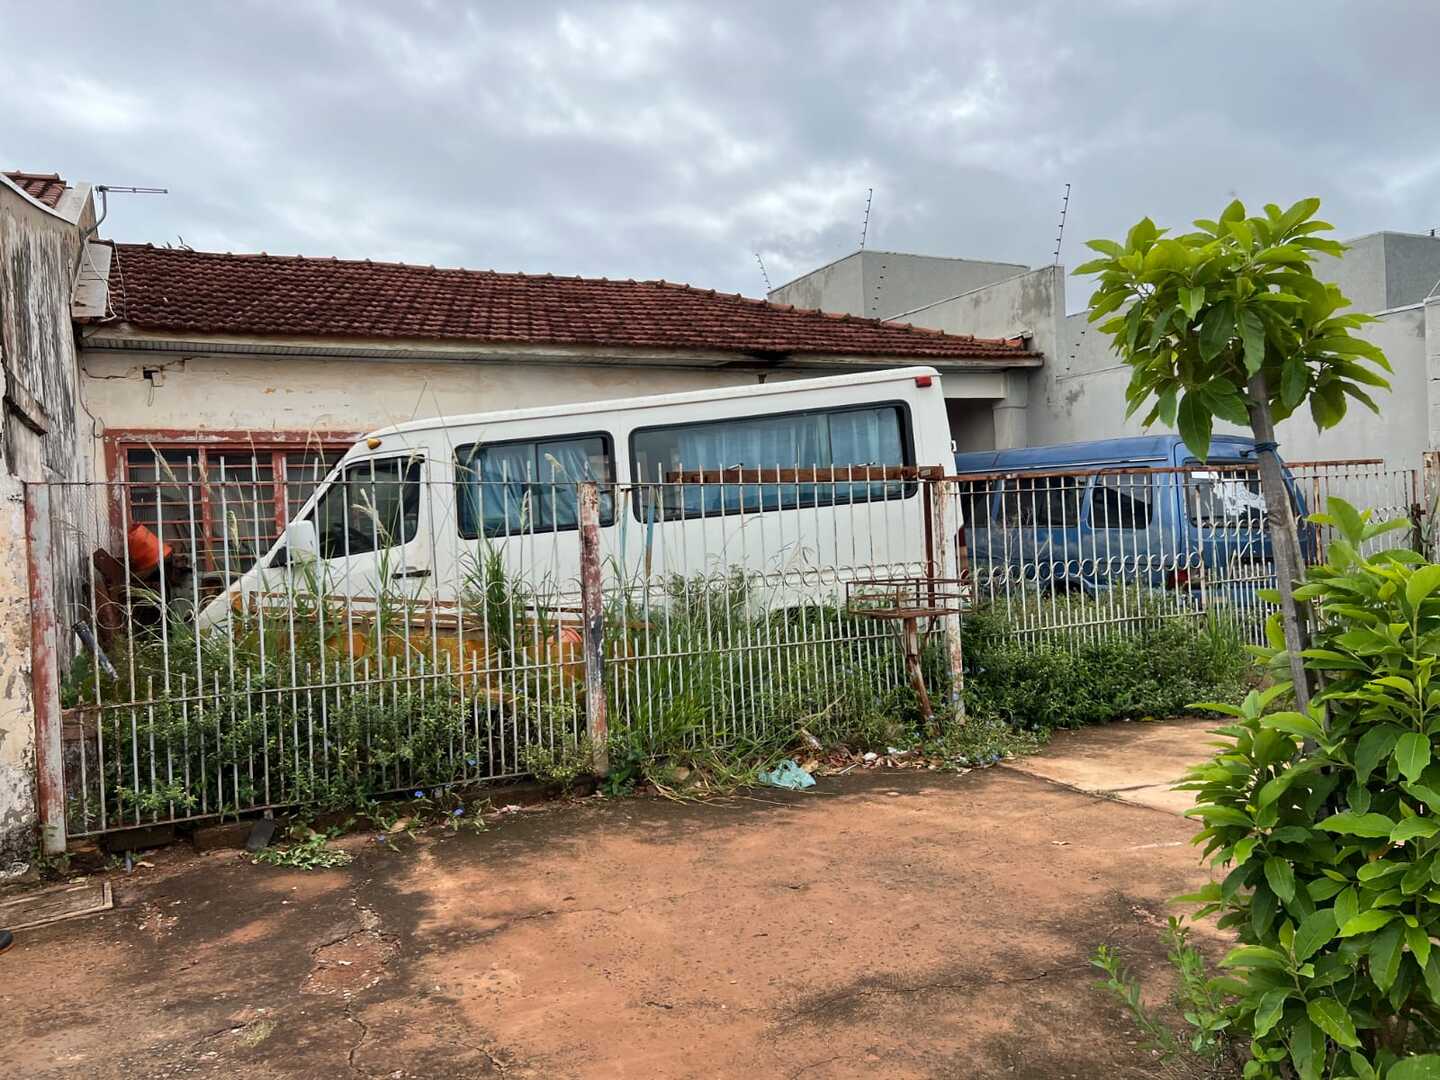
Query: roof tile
{"points": [[176, 289], [42, 187]]}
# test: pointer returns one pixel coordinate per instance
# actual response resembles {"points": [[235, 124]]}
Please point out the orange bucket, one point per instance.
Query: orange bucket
{"points": [[144, 548]]}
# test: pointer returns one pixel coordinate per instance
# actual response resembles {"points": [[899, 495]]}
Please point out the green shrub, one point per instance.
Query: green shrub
{"points": [[1330, 824], [1151, 669]]}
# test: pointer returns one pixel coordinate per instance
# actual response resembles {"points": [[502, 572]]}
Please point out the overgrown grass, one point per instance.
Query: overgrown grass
{"points": [[1152, 668], [717, 675]]}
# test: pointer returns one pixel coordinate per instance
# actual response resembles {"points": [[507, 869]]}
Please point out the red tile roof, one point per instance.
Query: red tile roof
{"points": [[42, 187], [265, 295]]}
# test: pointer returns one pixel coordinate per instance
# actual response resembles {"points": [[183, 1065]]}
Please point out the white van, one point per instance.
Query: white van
{"points": [[411, 507]]}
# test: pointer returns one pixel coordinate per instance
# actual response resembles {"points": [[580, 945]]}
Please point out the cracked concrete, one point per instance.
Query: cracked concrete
{"points": [[847, 933]]}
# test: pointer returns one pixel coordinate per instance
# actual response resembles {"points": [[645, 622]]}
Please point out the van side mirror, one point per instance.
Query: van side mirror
{"points": [[301, 542]]}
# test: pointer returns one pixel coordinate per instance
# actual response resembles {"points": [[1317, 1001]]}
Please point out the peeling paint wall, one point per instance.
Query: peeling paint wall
{"points": [[257, 393], [42, 437]]}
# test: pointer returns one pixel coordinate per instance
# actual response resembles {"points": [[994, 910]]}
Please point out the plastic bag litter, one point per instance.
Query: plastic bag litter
{"points": [[788, 775]]}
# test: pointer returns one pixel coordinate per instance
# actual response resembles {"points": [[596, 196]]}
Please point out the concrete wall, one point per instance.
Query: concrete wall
{"points": [[881, 284], [257, 393], [838, 286], [1083, 397], [1028, 305], [43, 436], [1384, 270]]}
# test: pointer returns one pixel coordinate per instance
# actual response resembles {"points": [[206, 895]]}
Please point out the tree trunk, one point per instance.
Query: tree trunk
{"points": [[1284, 541]]}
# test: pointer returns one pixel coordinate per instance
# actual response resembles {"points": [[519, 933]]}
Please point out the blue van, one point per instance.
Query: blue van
{"points": [[1083, 516]]}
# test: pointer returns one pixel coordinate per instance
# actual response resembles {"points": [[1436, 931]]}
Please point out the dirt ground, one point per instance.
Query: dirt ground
{"points": [[897, 924]]}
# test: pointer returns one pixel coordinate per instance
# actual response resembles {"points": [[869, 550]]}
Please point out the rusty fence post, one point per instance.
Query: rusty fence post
{"points": [[592, 614], [943, 569], [45, 671]]}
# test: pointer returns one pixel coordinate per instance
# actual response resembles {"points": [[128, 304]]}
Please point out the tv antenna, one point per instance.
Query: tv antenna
{"points": [[768, 287], [1060, 234], [865, 226]]}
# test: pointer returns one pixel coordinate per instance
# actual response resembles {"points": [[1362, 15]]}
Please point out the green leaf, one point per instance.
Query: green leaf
{"points": [[1419, 1067], [1366, 922], [1253, 956], [1334, 1019], [1353, 824], [1374, 746], [1419, 943], [1270, 1009], [1281, 877], [1252, 334], [1422, 583], [1294, 381], [1216, 330], [1412, 827], [1412, 753], [1192, 299], [1294, 723], [1385, 955], [1106, 247], [1316, 931], [1195, 423], [1223, 815]]}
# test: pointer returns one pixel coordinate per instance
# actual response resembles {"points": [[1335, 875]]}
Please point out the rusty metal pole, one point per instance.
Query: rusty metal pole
{"points": [[592, 609], [942, 570], [45, 671]]}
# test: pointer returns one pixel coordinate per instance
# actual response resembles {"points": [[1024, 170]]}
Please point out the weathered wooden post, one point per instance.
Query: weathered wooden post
{"points": [[45, 671], [592, 614]]}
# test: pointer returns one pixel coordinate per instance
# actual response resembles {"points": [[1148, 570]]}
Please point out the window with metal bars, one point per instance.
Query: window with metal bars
{"points": [[221, 505]]}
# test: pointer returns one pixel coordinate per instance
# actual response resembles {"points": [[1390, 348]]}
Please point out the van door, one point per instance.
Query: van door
{"points": [[1123, 544], [1040, 538]]}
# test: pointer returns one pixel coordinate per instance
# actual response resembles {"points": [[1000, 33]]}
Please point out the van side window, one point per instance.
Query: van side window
{"points": [[369, 506], [1046, 502], [1120, 501], [508, 488], [1225, 497], [828, 439]]}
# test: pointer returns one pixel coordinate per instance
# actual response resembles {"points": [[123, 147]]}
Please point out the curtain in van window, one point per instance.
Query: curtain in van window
{"points": [[866, 437], [803, 440], [783, 441]]}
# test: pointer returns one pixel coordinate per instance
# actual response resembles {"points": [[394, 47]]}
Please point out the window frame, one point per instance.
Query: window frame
{"points": [[907, 452], [1152, 503], [414, 458], [607, 518], [119, 442]]}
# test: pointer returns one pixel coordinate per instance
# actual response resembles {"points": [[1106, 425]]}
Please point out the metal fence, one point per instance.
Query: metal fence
{"points": [[1072, 555], [422, 628], [419, 630]]}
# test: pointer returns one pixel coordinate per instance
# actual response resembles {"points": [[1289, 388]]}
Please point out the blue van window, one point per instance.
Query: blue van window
{"points": [[1046, 502], [1225, 496], [1120, 501]]}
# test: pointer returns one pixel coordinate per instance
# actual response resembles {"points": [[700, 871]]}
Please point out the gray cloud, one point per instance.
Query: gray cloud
{"points": [[672, 140]]}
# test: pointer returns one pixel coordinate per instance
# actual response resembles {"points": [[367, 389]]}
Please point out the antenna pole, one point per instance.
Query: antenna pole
{"points": [[865, 226], [1060, 234], [768, 287]]}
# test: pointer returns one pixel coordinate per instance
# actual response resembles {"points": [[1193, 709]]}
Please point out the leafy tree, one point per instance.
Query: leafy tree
{"points": [[1334, 852], [1230, 321]]}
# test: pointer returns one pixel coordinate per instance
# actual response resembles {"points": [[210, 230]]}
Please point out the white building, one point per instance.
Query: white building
{"points": [[1079, 392]]}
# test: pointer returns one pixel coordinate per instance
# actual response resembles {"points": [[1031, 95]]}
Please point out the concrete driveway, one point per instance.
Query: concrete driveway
{"points": [[898, 924]]}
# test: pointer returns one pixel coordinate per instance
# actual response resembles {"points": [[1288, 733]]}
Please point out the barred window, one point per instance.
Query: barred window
{"points": [[222, 505]]}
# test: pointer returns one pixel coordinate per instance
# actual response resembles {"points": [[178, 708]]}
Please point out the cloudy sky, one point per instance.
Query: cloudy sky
{"points": [[675, 140]]}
